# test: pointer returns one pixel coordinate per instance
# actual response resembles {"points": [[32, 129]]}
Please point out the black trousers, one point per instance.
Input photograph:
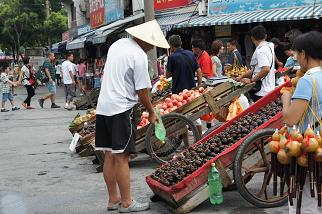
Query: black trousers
{"points": [[31, 93]]}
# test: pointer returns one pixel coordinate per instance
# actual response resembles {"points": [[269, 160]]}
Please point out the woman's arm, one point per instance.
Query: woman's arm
{"points": [[214, 69], [293, 111]]}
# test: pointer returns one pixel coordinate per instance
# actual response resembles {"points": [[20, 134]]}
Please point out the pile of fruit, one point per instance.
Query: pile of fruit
{"points": [[78, 120], [172, 103], [235, 72], [89, 128], [164, 84], [297, 155], [196, 156], [299, 74]]}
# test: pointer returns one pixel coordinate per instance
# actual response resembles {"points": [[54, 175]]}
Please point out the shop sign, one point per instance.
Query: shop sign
{"points": [[236, 6], [65, 36], [83, 29], [223, 31], [168, 4], [96, 8], [114, 10]]}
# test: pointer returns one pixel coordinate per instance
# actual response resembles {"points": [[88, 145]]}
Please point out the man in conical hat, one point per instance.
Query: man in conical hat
{"points": [[125, 80]]}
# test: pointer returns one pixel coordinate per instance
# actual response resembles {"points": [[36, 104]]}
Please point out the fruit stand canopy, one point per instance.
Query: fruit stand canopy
{"points": [[299, 13]]}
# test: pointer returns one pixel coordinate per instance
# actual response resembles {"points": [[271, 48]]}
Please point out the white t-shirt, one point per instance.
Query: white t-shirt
{"points": [[264, 56], [25, 75], [125, 72], [67, 66]]}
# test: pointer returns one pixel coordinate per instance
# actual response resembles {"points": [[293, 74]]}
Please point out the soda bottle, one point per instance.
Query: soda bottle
{"points": [[215, 186]]}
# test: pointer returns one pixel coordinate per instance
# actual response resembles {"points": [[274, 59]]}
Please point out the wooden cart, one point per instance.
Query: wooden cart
{"points": [[245, 165]]}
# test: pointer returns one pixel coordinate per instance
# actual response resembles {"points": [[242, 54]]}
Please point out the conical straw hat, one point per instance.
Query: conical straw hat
{"points": [[149, 32]]}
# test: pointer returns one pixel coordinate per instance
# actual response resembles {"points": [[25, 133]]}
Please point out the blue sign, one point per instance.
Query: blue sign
{"points": [[114, 10], [83, 29], [236, 6]]}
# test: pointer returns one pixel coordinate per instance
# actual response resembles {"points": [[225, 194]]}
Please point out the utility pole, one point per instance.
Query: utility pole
{"points": [[47, 11], [152, 54]]}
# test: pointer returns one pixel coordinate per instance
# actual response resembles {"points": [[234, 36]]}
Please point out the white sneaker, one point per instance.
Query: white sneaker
{"points": [[135, 207]]}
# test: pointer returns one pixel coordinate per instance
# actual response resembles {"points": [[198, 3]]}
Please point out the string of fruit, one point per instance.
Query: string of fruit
{"points": [[172, 103], [197, 155], [293, 156], [237, 69], [299, 73]]}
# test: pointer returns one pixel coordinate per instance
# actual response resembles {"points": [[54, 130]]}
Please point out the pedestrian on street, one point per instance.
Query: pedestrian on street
{"points": [[308, 52], [58, 74], [50, 72], [81, 75], [203, 58], [125, 79], [27, 79], [7, 90], [68, 80], [75, 72], [263, 65]]}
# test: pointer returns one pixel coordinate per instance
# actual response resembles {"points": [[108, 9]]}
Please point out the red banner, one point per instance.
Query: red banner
{"points": [[97, 14], [168, 4]]}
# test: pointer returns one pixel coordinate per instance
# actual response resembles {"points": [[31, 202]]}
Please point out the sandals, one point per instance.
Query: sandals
{"points": [[112, 207]]}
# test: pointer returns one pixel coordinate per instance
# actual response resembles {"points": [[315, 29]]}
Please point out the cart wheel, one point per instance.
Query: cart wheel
{"points": [[251, 172], [178, 127]]}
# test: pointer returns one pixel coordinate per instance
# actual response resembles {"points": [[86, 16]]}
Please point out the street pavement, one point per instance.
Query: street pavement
{"points": [[39, 176]]}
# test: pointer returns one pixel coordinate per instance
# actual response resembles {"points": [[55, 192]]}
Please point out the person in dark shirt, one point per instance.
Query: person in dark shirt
{"points": [[233, 55], [182, 66]]}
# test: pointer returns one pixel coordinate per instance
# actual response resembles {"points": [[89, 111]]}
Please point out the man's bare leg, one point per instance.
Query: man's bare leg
{"points": [[123, 178], [110, 178]]}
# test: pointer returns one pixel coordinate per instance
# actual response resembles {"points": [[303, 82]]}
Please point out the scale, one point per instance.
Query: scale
{"points": [[212, 81]]}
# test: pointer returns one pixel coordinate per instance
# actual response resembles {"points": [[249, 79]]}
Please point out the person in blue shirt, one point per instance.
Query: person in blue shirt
{"points": [[308, 51], [235, 57], [291, 61], [182, 66]]}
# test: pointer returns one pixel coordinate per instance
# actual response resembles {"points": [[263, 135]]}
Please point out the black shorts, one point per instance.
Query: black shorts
{"points": [[117, 133]]}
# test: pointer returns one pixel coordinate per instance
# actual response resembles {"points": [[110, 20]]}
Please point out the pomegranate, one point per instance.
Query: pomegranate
{"points": [[282, 157], [276, 136], [309, 132], [303, 160], [293, 149], [318, 155], [310, 145], [274, 146], [283, 142]]}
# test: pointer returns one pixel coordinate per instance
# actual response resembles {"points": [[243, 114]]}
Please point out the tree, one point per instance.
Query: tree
{"points": [[55, 25]]}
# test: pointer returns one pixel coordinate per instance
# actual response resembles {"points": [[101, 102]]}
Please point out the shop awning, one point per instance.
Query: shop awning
{"points": [[299, 13], [100, 35], [167, 22], [79, 42]]}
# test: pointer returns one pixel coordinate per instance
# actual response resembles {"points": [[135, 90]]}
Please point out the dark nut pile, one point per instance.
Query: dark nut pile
{"points": [[90, 128], [196, 156]]}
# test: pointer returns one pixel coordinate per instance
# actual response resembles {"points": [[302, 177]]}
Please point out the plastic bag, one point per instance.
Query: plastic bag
{"points": [[234, 109], [243, 101], [159, 129]]}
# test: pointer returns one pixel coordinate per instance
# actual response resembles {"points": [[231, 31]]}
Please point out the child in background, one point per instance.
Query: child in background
{"points": [[7, 90]]}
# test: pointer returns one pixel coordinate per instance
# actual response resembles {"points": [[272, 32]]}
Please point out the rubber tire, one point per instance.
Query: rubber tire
{"points": [[237, 177], [150, 132]]}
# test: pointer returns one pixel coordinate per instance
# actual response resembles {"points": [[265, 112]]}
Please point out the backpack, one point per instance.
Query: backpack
{"points": [[41, 76]]}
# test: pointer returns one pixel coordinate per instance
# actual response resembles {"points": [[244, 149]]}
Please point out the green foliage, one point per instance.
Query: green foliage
{"points": [[24, 23]]}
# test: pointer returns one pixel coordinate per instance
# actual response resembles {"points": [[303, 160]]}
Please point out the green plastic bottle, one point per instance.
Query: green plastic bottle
{"points": [[159, 129], [215, 186]]}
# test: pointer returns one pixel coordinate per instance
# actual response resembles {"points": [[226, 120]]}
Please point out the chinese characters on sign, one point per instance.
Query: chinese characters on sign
{"points": [[236, 6], [97, 15], [167, 4], [114, 10]]}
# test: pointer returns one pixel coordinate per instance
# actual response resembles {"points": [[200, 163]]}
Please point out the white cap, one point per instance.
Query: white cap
{"points": [[149, 32]]}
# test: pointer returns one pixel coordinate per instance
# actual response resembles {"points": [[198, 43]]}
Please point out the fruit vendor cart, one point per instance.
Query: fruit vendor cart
{"points": [[180, 128], [239, 148]]}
